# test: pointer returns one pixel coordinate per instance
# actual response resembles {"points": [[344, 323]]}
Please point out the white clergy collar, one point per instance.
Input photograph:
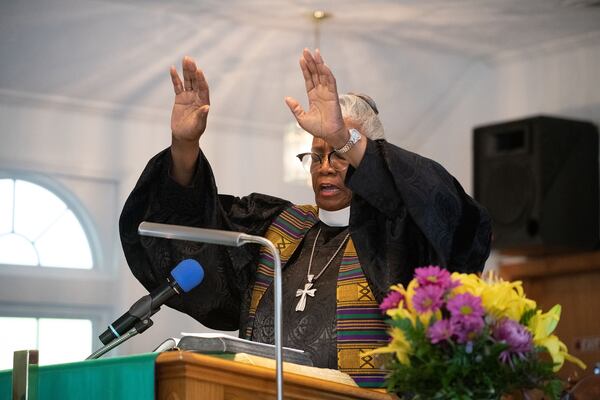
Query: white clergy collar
{"points": [[335, 218]]}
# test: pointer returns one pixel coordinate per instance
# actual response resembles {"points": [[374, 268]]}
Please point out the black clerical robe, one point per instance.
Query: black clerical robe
{"points": [[406, 211]]}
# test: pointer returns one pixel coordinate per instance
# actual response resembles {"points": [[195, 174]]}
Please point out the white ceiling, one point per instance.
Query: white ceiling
{"points": [[114, 54]]}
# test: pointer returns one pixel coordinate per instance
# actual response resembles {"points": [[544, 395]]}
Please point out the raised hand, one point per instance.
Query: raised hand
{"points": [[324, 116], [188, 119], [190, 111]]}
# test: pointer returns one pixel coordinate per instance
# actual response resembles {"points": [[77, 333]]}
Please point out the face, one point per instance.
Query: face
{"points": [[328, 184]]}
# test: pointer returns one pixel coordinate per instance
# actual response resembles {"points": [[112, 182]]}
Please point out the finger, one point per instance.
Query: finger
{"points": [[202, 86], [323, 71], [200, 116], [295, 108], [312, 66], [318, 58], [307, 77], [204, 110], [177, 85], [194, 81], [328, 78], [189, 72]]}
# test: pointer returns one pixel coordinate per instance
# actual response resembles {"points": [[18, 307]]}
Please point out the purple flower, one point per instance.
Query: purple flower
{"points": [[439, 331], [433, 275], [466, 329], [465, 306], [516, 336], [428, 298], [466, 316], [391, 301]]}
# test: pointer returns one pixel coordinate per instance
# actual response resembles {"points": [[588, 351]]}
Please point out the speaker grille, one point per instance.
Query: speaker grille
{"points": [[513, 203], [538, 177]]}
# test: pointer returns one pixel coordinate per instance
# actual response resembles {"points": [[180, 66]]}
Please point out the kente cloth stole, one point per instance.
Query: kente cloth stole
{"points": [[360, 326]]}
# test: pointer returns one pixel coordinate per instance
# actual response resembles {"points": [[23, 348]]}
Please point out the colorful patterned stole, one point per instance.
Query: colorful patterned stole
{"points": [[360, 326]]}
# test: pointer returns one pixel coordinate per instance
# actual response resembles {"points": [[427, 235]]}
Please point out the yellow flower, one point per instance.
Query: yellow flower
{"points": [[401, 312], [541, 326], [410, 292], [505, 299], [398, 288], [469, 283], [559, 352], [499, 298], [398, 345]]}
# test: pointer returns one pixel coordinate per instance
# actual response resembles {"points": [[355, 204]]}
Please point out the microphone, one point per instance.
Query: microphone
{"points": [[235, 239], [184, 277]]}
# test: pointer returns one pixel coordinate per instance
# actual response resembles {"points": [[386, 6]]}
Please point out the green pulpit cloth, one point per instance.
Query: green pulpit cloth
{"points": [[130, 377]]}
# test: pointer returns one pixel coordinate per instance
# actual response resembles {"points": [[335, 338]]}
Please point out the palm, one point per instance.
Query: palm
{"points": [[324, 116], [188, 118]]}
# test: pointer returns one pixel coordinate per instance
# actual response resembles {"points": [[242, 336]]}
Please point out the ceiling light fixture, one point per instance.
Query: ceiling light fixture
{"points": [[318, 16]]}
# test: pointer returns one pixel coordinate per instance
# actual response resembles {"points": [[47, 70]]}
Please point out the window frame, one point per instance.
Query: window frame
{"points": [[73, 204], [55, 292]]}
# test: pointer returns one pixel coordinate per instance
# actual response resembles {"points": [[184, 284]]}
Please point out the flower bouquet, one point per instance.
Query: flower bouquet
{"points": [[461, 336]]}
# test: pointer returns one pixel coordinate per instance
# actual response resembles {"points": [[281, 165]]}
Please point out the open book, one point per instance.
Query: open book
{"points": [[254, 353], [219, 343]]}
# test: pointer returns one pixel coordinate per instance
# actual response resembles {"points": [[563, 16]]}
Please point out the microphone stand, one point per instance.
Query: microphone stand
{"points": [[235, 239], [140, 327]]}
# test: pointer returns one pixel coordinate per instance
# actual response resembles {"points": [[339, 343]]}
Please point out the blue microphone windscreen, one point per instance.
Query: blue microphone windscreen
{"points": [[188, 274]]}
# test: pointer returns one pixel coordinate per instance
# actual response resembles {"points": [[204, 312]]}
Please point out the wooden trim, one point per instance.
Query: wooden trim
{"points": [[186, 375], [552, 266]]}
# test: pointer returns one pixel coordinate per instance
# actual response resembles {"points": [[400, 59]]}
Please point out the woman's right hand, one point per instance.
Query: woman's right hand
{"points": [[188, 119], [190, 111]]}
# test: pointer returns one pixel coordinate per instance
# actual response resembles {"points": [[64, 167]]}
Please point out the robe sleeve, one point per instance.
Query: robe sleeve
{"points": [[407, 212], [228, 270]]}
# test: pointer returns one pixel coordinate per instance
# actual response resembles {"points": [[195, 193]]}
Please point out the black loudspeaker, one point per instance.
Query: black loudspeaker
{"points": [[538, 178]]}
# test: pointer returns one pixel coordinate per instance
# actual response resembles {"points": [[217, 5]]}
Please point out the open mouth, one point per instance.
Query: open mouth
{"points": [[327, 189]]}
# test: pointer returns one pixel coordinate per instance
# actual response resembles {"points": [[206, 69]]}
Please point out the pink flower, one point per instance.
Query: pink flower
{"points": [[391, 301], [518, 339], [428, 298], [465, 306], [433, 275], [439, 331]]}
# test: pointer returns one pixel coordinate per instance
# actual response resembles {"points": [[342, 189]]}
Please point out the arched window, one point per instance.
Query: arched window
{"points": [[47, 221], [38, 228]]}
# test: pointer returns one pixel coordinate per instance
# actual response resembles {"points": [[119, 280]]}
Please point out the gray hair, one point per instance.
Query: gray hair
{"points": [[362, 109]]}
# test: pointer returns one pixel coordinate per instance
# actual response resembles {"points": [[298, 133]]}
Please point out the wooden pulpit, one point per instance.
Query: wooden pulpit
{"points": [[186, 376]]}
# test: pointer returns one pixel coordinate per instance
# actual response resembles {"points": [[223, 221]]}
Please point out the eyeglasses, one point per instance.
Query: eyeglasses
{"points": [[312, 161]]}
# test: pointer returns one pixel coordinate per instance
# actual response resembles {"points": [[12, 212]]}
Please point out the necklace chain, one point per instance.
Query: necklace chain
{"points": [[308, 290], [312, 253]]}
